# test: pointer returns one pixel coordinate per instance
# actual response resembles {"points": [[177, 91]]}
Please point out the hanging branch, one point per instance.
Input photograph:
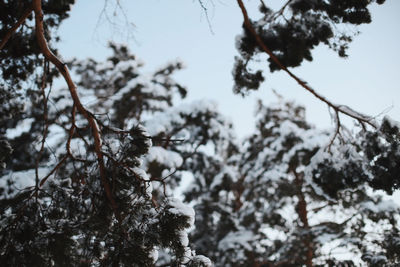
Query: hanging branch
{"points": [[361, 118], [63, 69], [11, 31]]}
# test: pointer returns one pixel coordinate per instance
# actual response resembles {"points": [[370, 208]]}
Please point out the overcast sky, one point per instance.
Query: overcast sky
{"points": [[368, 81]]}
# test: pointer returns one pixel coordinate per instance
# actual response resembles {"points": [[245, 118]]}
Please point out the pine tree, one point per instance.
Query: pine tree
{"points": [[20, 67], [66, 218], [373, 158], [276, 212], [19, 53], [293, 31]]}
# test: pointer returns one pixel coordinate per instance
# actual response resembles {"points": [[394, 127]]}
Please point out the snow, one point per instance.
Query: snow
{"points": [[379, 259], [141, 173], [353, 113], [154, 254], [161, 155], [237, 239], [22, 127], [325, 238], [340, 251], [63, 100], [187, 182], [55, 136], [382, 206], [20, 180], [183, 238], [186, 255], [178, 208], [149, 190], [161, 121], [206, 262]]}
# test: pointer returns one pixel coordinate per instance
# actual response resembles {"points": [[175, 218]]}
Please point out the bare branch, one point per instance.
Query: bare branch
{"points": [[202, 5], [71, 132], [361, 118], [61, 162], [280, 11]]}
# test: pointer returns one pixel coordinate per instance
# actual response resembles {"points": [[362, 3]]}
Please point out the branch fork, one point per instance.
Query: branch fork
{"points": [[361, 118], [63, 69]]}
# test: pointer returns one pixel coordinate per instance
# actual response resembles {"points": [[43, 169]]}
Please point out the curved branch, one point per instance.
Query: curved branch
{"points": [[361, 118], [63, 69]]}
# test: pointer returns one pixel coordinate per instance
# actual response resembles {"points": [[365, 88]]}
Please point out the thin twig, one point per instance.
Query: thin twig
{"points": [[116, 130], [206, 14], [362, 119], [279, 12], [70, 135], [337, 129], [53, 170]]}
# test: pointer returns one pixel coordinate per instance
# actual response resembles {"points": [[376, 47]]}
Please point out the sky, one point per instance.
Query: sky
{"points": [[161, 31]]}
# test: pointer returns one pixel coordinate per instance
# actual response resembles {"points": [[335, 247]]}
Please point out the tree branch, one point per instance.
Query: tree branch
{"points": [[337, 129], [63, 69], [279, 12], [53, 170], [11, 31], [361, 118]]}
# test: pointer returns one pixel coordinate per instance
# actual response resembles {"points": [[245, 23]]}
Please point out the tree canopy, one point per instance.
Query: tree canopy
{"points": [[105, 183]]}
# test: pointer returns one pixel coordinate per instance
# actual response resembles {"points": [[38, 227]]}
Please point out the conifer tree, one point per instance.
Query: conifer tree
{"points": [[66, 218], [276, 213], [292, 32]]}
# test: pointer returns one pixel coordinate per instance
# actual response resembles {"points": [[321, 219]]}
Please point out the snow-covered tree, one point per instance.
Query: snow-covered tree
{"points": [[78, 211], [274, 211], [291, 32]]}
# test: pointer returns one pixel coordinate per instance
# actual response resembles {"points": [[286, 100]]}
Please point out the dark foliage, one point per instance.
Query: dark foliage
{"points": [[292, 32], [19, 59], [377, 162]]}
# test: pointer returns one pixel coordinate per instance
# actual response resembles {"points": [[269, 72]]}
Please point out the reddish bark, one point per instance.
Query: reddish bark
{"points": [[362, 119], [62, 68], [303, 215]]}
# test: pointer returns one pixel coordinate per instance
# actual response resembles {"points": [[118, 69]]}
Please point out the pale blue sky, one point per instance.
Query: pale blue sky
{"points": [[368, 81]]}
